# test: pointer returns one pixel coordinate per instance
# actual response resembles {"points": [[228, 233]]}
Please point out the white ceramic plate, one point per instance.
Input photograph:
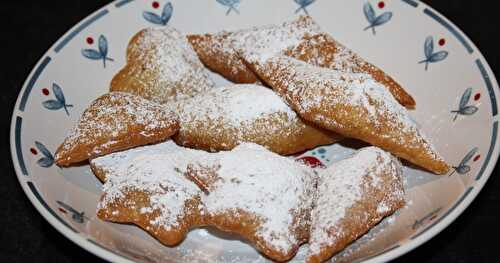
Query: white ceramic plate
{"points": [[455, 90]]}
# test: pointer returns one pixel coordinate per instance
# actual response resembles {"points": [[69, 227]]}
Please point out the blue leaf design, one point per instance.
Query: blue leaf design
{"points": [[231, 4], [304, 3], [45, 162], [224, 2], [166, 14], [152, 17], [91, 54], [438, 56], [53, 104], [103, 46], [369, 12], [468, 110], [468, 156], [67, 207], [58, 93], [463, 169], [428, 47], [382, 19], [43, 150], [465, 98]]}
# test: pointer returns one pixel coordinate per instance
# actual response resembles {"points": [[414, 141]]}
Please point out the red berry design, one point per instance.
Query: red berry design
{"points": [[90, 40], [33, 151], [477, 96], [477, 158], [45, 92], [381, 4], [156, 4], [442, 41], [311, 161], [62, 210]]}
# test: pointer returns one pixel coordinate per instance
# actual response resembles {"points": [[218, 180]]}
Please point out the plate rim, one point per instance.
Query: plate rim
{"points": [[386, 255]]}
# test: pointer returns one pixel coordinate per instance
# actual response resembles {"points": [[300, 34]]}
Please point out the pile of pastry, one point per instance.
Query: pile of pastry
{"points": [[175, 152]]}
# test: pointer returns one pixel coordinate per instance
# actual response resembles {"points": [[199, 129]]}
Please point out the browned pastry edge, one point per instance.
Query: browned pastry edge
{"points": [[304, 136], [218, 61], [133, 139], [362, 210]]}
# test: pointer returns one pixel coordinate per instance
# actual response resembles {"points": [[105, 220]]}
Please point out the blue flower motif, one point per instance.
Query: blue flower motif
{"points": [[430, 55], [302, 5], [78, 217], [429, 217], [162, 19], [463, 167], [231, 4], [59, 102], [463, 108], [101, 53], [373, 19], [48, 159]]}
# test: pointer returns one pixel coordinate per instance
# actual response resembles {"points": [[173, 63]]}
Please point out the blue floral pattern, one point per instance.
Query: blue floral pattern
{"points": [[78, 217], [425, 219], [373, 19], [161, 19], [463, 167], [231, 4], [302, 5], [463, 107], [101, 53], [59, 102], [48, 159], [430, 55]]}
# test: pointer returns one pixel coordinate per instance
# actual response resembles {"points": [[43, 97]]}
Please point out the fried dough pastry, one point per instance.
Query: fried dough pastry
{"points": [[114, 162], [222, 118], [264, 197], [114, 122], [162, 67], [217, 54], [353, 196], [301, 38], [146, 186], [351, 104], [249, 191]]}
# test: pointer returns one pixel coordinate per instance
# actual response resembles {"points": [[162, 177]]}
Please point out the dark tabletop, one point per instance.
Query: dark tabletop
{"points": [[29, 28]]}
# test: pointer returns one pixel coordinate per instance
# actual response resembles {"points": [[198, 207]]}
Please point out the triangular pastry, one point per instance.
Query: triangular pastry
{"points": [[114, 122], [162, 67], [351, 104], [353, 195]]}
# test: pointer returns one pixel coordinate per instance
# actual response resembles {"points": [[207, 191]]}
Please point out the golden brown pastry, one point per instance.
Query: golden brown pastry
{"points": [[353, 196], [217, 54], [147, 187], [222, 118], [162, 67], [114, 122], [351, 104], [264, 197], [250, 191], [301, 38]]}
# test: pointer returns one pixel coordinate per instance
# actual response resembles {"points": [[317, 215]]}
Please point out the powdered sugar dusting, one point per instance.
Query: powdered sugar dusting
{"points": [[235, 104], [310, 89], [261, 43], [344, 184], [237, 110], [169, 65], [272, 187], [111, 116], [157, 170]]}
